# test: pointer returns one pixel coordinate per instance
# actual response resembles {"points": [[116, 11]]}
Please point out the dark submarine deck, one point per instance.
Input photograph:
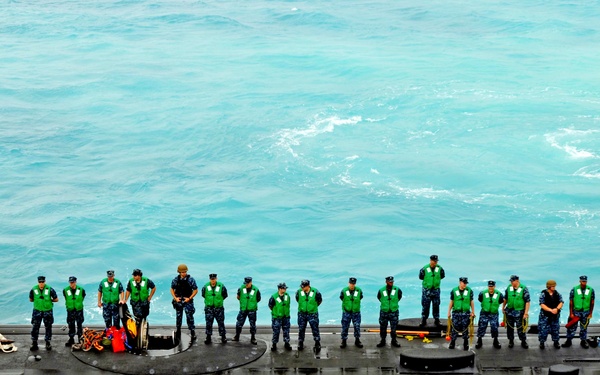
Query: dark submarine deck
{"points": [[242, 357]]}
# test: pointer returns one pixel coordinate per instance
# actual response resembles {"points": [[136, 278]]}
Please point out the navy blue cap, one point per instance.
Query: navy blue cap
{"points": [[247, 279], [72, 279], [304, 283], [513, 278], [212, 276], [464, 280], [110, 273], [281, 286], [352, 280], [137, 272], [583, 278], [41, 279], [491, 283], [434, 257], [389, 279]]}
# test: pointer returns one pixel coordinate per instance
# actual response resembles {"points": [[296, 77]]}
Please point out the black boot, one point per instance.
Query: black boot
{"points": [[452, 344], [48, 345], [466, 344], [317, 346], [34, 346], [479, 343], [193, 335], [69, 343], [253, 339], [381, 343], [238, 331], [511, 343], [497, 343], [584, 344], [395, 343], [423, 322], [343, 345], [287, 346], [223, 339], [274, 348], [300, 345], [437, 323], [357, 343], [524, 344], [567, 343], [542, 345], [208, 340], [556, 345]]}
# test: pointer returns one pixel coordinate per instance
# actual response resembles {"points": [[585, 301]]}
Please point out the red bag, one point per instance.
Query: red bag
{"points": [[118, 341], [572, 322]]}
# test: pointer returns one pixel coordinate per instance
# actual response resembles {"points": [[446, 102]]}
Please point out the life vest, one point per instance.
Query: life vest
{"points": [[432, 278], [248, 300], [183, 288], [42, 301], [490, 302], [389, 300], [462, 299], [139, 292], [307, 302], [110, 291], [73, 299], [514, 297], [282, 306], [351, 301], [213, 297], [582, 300]]}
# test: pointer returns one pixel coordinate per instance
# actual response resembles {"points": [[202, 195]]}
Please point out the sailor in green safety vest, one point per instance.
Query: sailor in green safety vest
{"points": [[432, 275], [516, 307], [249, 297], [214, 293], [461, 309], [42, 296], [279, 303], [490, 303], [74, 296], [110, 295], [581, 307], [389, 297], [308, 299], [351, 297], [141, 289]]}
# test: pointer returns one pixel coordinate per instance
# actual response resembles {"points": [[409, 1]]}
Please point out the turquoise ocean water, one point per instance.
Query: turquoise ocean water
{"points": [[298, 139]]}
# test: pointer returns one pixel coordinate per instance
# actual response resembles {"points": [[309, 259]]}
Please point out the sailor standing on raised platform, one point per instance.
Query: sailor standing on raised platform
{"points": [[516, 307], [490, 302], [461, 309], [581, 306], [249, 297], [432, 275]]}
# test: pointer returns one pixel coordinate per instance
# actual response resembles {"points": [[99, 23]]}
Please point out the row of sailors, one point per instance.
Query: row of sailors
{"points": [[139, 290]]}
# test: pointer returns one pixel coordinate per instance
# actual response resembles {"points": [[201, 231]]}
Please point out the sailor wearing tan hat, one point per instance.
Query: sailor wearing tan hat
{"points": [[183, 290]]}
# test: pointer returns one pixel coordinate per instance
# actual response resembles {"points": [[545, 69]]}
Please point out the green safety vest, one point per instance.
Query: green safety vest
{"points": [[42, 304], [307, 303], [351, 301], [74, 299], [490, 302], [110, 291], [389, 303], [213, 297], [514, 298], [432, 279], [582, 300], [462, 299], [142, 293], [248, 300], [282, 306]]}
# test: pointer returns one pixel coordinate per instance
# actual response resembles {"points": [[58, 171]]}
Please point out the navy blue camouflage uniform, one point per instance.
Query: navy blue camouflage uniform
{"points": [[184, 288], [250, 314], [490, 318], [350, 317], [75, 318], [280, 325], [514, 318], [390, 317], [212, 313], [305, 318], [37, 317], [140, 309], [547, 321], [461, 319], [430, 297], [583, 318]]}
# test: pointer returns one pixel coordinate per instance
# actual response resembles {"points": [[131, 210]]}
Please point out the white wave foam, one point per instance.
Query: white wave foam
{"points": [[288, 138], [566, 139], [590, 171]]}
